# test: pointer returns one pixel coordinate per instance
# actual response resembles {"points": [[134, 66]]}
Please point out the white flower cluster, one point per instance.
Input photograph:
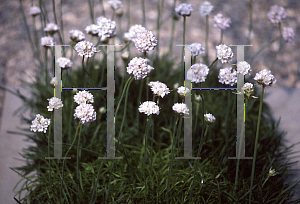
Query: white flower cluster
{"points": [[145, 41], [206, 8], [139, 68], [85, 112], [184, 9], [288, 34], [221, 22], [265, 77], [54, 103], [209, 118], [51, 28], [53, 81], [224, 53], [133, 32], [227, 77], [76, 35], [92, 30], [183, 90], [197, 73], [197, 49], [149, 107], [64, 62], [40, 124], [159, 88], [180, 108], [34, 11], [83, 97], [276, 13], [106, 27], [85, 48], [243, 67], [248, 89], [115, 4], [47, 41]]}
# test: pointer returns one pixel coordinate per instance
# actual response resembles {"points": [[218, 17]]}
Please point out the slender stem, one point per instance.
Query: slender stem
{"points": [[102, 5], [221, 39], [46, 66], [50, 182], [172, 158], [206, 39], [238, 161], [256, 141], [124, 90], [263, 47], [77, 161], [145, 157], [62, 178], [250, 26], [91, 11], [183, 43], [213, 63], [144, 13], [158, 27], [172, 31], [194, 60], [62, 27], [280, 34], [55, 19]]}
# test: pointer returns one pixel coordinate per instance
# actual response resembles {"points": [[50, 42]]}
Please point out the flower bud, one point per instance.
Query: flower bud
{"points": [[74, 91], [198, 98], [176, 85], [119, 12], [102, 110], [125, 55], [53, 82]]}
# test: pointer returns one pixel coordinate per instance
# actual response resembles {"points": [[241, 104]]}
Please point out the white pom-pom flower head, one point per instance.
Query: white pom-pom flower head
{"points": [[209, 118], [224, 53], [197, 49], [182, 91], [197, 73], [85, 113], [64, 62], [184, 9], [54, 103], [145, 41], [139, 68], [227, 76], [40, 124], [149, 107], [85, 49], [159, 88], [243, 67], [206, 8], [180, 108], [265, 78], [83, 97]]}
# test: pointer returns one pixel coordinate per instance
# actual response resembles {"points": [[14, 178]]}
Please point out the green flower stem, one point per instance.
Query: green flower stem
{"points": [[77, 162], [62, 26], [221, 39], [55, 20], [158, 27], [200, 147], [91, 7], [119, 138], [130, 79], [206, 39], [213, 63], [46, 66], [144, 13], [238, 161], [250, 23], [36, 41], [196, 119], [102, 5], [62, 179], [280, 34], [50, 182], [263, 47], [172, 31], [256, 141], [145, 157], [265, 181], [183, 43], [172, 158]]}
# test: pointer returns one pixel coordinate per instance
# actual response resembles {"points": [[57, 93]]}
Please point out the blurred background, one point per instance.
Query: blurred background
{"points": [[16, 58]]}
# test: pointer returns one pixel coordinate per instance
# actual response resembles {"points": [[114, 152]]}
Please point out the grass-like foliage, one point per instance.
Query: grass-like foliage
{"points": [[149, 172], [123, 181]]}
